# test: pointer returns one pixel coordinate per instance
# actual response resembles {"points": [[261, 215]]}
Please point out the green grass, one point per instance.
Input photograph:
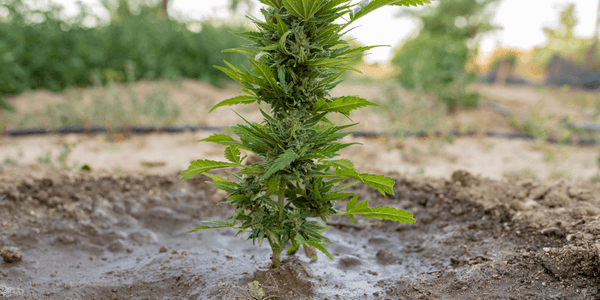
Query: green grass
{"points": [[422, 113], [109, 106]]}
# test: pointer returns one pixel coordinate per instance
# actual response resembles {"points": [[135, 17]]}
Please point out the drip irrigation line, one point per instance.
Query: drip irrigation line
{"points": [[137, 129]]}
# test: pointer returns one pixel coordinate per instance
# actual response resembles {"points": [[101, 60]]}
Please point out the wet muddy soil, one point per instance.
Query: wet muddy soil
{"points": [[96, 235]]}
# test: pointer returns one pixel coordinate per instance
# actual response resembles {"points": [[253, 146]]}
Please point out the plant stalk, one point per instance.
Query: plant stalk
{"points": [[281, 196]]}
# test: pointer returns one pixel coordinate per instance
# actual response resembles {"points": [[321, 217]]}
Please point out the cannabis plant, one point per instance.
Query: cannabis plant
{"points": [[298, 55]]}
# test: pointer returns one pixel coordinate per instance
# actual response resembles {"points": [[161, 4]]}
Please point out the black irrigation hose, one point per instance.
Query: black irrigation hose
{"points": [[369, 134]]}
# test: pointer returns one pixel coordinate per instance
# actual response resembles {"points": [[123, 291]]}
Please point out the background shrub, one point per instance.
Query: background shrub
{"points": [[41, 50]]}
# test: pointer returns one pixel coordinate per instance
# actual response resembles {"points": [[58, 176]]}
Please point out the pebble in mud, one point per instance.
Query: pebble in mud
{"points": [[163, 213], [11, 254], [103, 218], [66, 239], [145, 236], [384, 257], [162, 249], [348, 262], [116, 246]]}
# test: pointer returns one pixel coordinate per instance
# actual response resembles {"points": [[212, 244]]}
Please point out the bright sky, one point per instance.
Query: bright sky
{"points": [[522, 20]]}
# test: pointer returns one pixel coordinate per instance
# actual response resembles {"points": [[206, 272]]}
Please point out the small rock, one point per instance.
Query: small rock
{"points": [[378, 240], [42, 196], [464, 177], [119, 207], [11, 254], [145, 236], [385, 257], [163, 213], [162, 249], [121, 235], [103, 218], [66, 239], [135, 209], [128, 221], [348, 262], [53, 201], [551, 231], [116, 246], [556, 198], [538, 192]]}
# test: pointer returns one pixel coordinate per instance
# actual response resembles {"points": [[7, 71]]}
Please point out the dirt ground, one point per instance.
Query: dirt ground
{"points": [[496, 218], [96, 235]]}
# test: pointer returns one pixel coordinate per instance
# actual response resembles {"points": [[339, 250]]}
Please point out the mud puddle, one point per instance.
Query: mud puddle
{"points": [[102, 236]]}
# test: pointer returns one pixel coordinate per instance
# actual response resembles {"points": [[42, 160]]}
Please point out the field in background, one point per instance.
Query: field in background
{"points": [[534, 110]]}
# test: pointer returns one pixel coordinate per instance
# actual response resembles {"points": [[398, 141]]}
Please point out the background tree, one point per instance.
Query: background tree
{"points": [[563, 42], [434, 60]]}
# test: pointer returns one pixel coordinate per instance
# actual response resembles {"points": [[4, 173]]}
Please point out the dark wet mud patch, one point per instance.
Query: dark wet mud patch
{"points": [[101, 236]]}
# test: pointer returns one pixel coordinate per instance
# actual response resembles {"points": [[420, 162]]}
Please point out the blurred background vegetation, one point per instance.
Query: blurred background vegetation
{"points": [[434, 60], [41, 50]]}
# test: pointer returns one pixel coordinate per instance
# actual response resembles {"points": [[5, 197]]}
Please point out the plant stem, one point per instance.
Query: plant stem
{"points": [[276, 258], [281, 196]]}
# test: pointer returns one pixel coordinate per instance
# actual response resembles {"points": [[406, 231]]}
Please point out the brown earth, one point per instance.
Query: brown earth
{"points": [[102, 236]]}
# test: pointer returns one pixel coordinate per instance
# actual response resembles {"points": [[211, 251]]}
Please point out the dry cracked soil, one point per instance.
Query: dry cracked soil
{"points": [[97, 235]]}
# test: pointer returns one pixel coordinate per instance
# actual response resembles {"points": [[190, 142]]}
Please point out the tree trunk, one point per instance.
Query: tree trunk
{"points": [[165, 5]]}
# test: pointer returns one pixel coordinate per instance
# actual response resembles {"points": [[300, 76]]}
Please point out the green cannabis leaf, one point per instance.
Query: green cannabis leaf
{"points": [[234, 101], [381, 213], [297, 57]]}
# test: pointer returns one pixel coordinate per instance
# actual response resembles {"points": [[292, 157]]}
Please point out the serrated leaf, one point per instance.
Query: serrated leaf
{"points": [[234, 101], [291, 6], [342, 163], [282, 43], [282, 161], [202, 165], [236, 197], [379, 182], [281, 27], [299, 239], [219, 138], [375, 4], [312, 6], [281, 77], [226, 186], [328, 62], [336, 196], [382, 213], [214, 177], [329, 150], [389, 213], [220, 224], [232, 153], [265, 72], [345, 186], [345, 104], [352, 203], [247, 52]]}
